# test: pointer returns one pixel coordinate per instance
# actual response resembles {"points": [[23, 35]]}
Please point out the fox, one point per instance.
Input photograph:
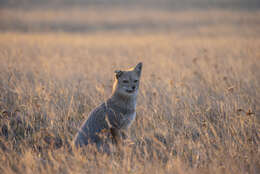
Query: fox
{"points": [[109, 122]]}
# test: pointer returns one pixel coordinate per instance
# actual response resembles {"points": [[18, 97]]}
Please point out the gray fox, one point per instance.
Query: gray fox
{"points": [[111, 119]]}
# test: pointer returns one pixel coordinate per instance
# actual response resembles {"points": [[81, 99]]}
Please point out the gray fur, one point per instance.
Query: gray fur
{"points": [[111, 119]]}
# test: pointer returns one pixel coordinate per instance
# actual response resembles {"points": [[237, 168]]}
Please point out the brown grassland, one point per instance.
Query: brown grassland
{"points": [[199, 101]]}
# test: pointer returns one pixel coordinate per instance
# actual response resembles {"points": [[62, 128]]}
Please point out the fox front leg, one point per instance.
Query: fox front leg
{"points": [[116, 137], [124, 135]]}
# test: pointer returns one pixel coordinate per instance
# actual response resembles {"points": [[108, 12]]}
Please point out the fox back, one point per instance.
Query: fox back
{"points": [[110, 120]]}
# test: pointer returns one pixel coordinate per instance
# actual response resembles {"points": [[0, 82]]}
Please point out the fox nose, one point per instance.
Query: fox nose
{"points": [[133, 87]]}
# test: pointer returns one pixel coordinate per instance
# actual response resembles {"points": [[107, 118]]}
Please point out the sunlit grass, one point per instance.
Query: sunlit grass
{"points": [[198, 106]]}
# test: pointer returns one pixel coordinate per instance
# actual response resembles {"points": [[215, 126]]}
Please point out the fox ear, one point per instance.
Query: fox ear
{"points": [[138, 68], [118, 73]]}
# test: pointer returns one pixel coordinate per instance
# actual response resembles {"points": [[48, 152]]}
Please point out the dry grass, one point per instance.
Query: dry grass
{"points": [[198, 106]]}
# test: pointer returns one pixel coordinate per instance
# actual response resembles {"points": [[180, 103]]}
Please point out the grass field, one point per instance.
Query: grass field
{"points": [[199, 101]]}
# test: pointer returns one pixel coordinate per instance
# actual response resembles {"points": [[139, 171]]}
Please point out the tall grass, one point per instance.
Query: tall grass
{"points": [[198, 104]]}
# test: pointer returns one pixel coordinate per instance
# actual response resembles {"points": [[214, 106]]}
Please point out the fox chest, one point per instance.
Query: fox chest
{"points": [[131, 118], [122, 120]]}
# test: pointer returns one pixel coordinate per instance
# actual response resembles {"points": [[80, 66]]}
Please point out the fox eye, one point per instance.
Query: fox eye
{"points": [[125, 81], [135, 81]]}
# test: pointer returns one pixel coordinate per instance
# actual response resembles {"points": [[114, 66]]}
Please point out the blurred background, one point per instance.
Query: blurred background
{"points": [[183, 16]]}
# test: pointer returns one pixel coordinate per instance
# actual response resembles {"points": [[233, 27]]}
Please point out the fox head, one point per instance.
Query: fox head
{"points": [[127, 82]]}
